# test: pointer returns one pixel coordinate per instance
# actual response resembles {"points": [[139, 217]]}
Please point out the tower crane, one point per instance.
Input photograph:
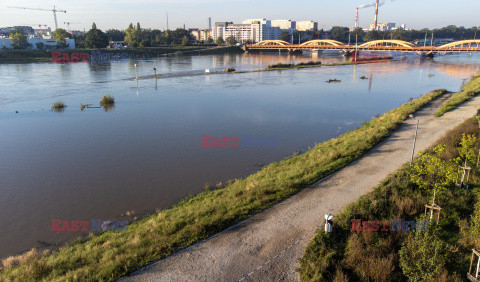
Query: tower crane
{"points": [[37, 9], [68, 25]]}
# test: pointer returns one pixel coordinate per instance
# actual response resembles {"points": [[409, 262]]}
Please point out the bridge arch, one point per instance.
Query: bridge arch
{"points": [[400, 43], [461, 43], [322, 42], [272, 42]]}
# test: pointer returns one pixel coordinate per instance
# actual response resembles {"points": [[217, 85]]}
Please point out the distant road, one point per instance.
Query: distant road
{"points": [[260, 248]]}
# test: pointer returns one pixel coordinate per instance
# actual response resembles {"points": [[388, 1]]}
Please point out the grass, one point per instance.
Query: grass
{"points": [[58, 106], [333, 80], [469, 90], [369, 256], [113, 254]]}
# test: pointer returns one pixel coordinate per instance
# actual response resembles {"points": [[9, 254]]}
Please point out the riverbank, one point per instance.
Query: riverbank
{"points": [[375, 255], [468, 91], [34, 56], [113, 254]]}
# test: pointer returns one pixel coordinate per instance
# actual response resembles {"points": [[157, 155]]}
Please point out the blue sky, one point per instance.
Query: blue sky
{"points": [[194, 13]]}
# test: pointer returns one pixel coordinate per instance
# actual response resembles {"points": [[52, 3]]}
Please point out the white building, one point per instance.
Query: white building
{"points": [[284, 24], [383, 26], [253, 30], [307, 26], [52, 43]]}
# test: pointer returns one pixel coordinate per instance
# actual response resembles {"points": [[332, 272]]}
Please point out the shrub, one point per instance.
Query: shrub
{"points": [[107, 100], [58, 106]]}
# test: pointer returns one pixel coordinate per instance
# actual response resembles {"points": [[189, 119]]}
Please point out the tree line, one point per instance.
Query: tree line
{"points": [[456, 33]]}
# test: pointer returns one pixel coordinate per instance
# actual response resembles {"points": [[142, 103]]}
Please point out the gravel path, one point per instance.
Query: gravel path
{"points": [[267, 246]]}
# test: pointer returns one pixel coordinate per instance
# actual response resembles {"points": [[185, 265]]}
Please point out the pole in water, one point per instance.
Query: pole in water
{"points": [[414, 142]]}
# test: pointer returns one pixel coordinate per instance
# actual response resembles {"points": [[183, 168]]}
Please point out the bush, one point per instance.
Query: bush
{"points": [[107, 100], [58, 106]]}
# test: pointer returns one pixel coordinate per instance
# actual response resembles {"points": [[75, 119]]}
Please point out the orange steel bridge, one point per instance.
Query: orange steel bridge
{"points": [[377, 45]]}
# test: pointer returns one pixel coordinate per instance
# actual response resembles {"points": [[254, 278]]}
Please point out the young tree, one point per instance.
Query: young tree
{"points": [[19, 40], [430, 171], [219, 41], [95, 38], [468, 152], [231, 40], [60, 35]]}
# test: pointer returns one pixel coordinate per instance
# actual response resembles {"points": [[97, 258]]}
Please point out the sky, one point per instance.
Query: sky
{"points": [[194, 13]]}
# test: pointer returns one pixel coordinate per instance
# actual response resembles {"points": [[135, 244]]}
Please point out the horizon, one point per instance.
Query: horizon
{"points": [[119, 14]]}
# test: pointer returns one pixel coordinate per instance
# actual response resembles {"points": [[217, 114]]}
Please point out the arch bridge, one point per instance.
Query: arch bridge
{"points": [[376, 45]]}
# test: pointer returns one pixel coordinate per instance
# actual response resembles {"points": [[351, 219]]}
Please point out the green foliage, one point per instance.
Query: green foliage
{"points": [[115, 35], [422, 256], [19, 40], [60, 35], [469, 90], [468, 150], [431, 171], [95, 38], [231, 40], [340, 33], [185, 40], [373, 35], [210, 40], [219, 41], [357, 34], [286, 36]]}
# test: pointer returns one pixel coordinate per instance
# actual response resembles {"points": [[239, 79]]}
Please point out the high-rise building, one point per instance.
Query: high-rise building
{"points": [[209, 22], [284, 24], [307, 26], [253, 30]]}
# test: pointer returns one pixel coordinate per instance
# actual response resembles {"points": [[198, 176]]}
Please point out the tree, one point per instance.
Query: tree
{"points": [[132, 35], [431, 171], [231, 40], [357, 34], [185, 40], [210, 40], [286, 36], [60, 35], [19, 40], [468, 152], [95, 38], [422, 256], [219, 41], [340, 33], [115, 35], [373, 35]]}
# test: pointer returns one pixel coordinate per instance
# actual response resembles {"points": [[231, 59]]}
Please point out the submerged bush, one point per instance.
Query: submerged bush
{"points": [[107, 100], [59, 106]]}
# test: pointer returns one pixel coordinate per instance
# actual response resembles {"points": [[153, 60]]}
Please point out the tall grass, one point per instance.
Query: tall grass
{"points": [[373, 256], [58, 106], [116, 253], [469, 90]]}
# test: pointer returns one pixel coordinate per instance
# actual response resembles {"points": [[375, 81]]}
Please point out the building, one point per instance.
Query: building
{"points": [[43, 33], [252, 30], [306, 26], [284, 24], [201, 35], [383, 26], [33, 41]]}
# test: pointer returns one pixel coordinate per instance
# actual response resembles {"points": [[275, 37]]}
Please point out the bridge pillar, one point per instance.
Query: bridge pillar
{"points": [[316, 52]]}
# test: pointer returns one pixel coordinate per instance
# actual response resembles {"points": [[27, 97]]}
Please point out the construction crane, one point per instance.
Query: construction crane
{"points": [[37, 9], [68, 25]]}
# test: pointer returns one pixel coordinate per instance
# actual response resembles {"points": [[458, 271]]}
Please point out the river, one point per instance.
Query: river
{"points": [[146, 154]]}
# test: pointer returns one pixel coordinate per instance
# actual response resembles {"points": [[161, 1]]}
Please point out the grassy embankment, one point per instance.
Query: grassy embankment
{"points": [[468, 91], [32, 56], [345, 255], [311, 64], [113, 254]]}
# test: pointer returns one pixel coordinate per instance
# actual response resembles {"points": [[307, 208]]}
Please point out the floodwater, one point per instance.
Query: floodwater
{"points": [[146, 154]]}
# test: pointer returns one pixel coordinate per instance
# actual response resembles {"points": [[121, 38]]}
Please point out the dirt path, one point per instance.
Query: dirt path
{"points": [[254, 249]]}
